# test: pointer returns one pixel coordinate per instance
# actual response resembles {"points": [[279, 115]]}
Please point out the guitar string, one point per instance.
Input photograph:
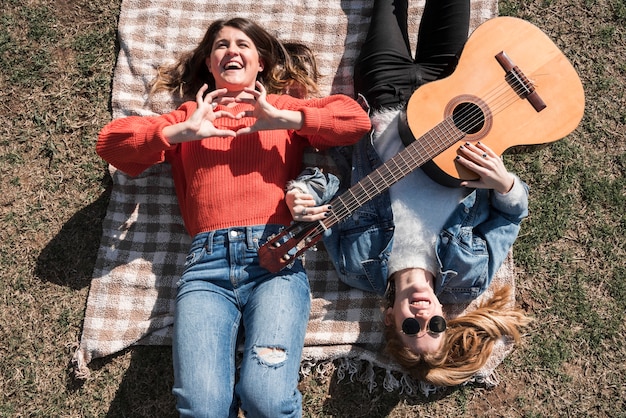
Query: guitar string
{"points": [[476, 117], [438, 140], [468, 119], [465, 123], [431, 142]]}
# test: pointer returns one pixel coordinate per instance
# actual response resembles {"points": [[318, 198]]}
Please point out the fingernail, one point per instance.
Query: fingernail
{"points": [[458, 157]]}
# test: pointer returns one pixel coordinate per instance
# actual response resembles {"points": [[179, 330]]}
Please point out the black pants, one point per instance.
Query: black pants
{"points": [[386, 72]]}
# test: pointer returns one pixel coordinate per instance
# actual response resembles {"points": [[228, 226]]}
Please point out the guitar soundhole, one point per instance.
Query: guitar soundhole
{"points": [[468, 117]]}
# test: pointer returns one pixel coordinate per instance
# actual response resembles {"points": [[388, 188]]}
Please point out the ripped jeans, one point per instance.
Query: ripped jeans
{"points": [[225, 298]]}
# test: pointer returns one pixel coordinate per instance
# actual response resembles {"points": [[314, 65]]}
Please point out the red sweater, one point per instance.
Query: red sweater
{"points": [[223, 182]]}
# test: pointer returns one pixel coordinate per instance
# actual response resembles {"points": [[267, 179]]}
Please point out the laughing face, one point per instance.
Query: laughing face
{"points": [[234, 61], [415, 298]]}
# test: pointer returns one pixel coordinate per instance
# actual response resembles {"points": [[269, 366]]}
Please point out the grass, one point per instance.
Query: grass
{"points": [[57, 59]]}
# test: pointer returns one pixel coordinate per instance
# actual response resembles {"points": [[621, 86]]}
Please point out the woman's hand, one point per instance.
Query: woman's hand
{"points": [[302, 206], [488, 165], [267, 116], [200, 124]]}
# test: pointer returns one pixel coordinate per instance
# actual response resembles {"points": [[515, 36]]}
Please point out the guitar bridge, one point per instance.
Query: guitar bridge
{"points": [[519, 82]]}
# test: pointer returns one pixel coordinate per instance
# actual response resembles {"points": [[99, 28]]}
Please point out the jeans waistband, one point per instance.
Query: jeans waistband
{"points": [[253, 236]]}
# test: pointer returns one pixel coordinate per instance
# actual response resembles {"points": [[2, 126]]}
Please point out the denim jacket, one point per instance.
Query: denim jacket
{"points": [[470, 249]]}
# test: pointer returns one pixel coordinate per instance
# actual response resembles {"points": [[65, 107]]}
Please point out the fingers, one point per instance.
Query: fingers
{"points": [[490, 168], [260, 90], [245, 114], [257, 94], [477, 152], [212, 98], [479, 158], [200, 94], [217, 96], [224, 114], [225, 133], [312, 213], [303, 207], [208, 102]]}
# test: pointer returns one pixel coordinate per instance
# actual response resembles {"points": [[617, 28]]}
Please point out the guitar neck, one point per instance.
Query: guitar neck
{"points": [[393, 170]]}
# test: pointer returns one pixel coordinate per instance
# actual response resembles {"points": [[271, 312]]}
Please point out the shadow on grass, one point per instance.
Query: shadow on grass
{"points": [[69, 258], [144, 391]]}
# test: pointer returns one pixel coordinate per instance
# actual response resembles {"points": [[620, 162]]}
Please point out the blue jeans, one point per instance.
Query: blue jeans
{"points": [[226, 300]]}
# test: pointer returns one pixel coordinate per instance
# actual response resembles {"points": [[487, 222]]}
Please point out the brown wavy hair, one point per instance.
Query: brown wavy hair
{"points": [[469, 341], [284, 64]]}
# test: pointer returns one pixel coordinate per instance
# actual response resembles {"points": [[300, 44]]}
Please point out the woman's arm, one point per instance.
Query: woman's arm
{"points": [[330, 121], [134, 143]]}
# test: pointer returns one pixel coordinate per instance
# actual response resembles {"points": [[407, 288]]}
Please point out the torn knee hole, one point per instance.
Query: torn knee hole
{"points": [[271, 355]]}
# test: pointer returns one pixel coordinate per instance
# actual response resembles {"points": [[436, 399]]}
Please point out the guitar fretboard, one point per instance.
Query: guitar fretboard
{"points": [[431, 144]]}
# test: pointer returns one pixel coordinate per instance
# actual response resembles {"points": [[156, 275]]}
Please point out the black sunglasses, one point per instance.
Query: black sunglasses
{"points": [[436, 325]]}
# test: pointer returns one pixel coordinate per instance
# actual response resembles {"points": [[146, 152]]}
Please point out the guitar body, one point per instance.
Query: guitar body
{"points": [[509, 119], [512, 87]]}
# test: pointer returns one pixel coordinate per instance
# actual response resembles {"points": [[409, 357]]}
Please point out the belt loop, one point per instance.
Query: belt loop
{"points": [[250, 239], [208, 244]]}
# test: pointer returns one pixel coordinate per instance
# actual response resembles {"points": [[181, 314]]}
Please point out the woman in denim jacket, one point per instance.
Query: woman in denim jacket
{"points": [[422, 244]]}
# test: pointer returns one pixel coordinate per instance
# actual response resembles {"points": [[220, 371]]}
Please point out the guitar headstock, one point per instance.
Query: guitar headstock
{"points": [[282, 250]]}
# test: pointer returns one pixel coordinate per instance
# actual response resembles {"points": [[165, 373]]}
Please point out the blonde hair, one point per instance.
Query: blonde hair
{"points": [[284, 64], [468, 344]]}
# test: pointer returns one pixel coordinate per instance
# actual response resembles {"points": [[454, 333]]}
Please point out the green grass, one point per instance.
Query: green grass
{"points": [[58, 59]]}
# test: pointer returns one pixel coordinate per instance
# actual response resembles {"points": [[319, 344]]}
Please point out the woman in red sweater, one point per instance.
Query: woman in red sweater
{"points": [[232, 151]]}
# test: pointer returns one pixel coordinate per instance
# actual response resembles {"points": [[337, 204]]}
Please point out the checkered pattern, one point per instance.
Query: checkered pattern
{"points": [[144, 244]]}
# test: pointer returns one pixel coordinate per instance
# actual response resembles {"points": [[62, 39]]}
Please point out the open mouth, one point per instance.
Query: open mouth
{"points": [[419, 302], [232, 65]]}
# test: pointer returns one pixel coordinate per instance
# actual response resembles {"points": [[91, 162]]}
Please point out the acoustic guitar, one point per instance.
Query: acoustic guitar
{"points": [[512, 87]]}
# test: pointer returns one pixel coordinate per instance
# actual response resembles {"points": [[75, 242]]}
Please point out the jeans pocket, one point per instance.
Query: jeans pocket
{"points": [[193, 256]]}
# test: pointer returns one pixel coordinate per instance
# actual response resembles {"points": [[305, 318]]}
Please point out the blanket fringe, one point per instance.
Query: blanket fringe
{"points": [[355, 369], [79, 365], [364, 372]]}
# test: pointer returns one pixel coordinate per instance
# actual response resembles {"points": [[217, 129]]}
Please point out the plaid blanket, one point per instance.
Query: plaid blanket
{"points": [[143, 245]]}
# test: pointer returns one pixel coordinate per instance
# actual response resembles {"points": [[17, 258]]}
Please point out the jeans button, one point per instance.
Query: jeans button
{"points": [[233, 233]]}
